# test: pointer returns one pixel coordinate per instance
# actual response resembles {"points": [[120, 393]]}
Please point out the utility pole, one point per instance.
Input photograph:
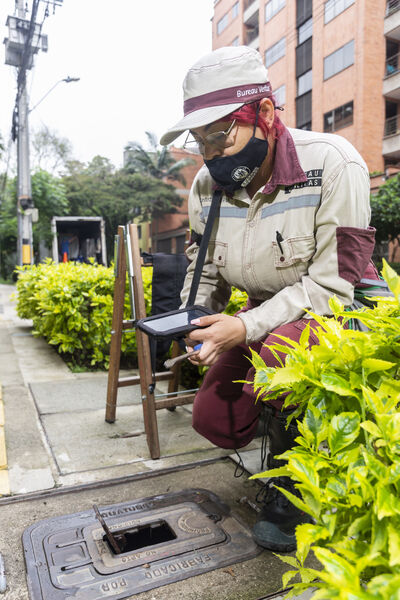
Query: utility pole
{"points": [[24, 201], [24, 41]]}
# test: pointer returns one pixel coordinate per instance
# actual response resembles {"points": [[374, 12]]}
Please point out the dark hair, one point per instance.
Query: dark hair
{"points": [[247, 114]]}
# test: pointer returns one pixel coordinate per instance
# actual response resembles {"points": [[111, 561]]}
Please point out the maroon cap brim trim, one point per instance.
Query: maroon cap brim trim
{"points": [[233, 95]]}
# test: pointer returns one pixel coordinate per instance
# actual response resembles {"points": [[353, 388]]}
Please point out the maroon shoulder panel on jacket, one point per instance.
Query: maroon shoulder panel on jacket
{"points": [[354, 251]]}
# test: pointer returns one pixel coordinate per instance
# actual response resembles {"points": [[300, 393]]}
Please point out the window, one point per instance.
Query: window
{"points": [[222, 23], [304, 83], [305, 31], [272, 7], [339, 117], [392, 57], [280, 95], [339, 60], [235, 10], [333, 8], [235, 42], [303, 11], [303, 111], [275, 52], [304, 57]]}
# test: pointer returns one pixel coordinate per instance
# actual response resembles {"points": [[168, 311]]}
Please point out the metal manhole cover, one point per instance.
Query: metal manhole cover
{"points": [[159, 540]]}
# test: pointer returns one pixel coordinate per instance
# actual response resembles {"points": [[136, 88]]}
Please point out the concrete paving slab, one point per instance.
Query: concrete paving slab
{"points": [[10, 373], [84, 441], [140, 466], [26, 344], [248, 580], [43, 366], [28, 458], [79, 394], [4, 345]]}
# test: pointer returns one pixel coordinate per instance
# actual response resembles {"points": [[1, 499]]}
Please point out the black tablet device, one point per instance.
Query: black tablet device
{"points": [[174, 323]]}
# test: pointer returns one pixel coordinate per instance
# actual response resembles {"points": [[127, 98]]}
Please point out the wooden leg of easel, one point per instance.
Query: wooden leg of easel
{"points": [[116, 333], [143, 346], [148, 400]]}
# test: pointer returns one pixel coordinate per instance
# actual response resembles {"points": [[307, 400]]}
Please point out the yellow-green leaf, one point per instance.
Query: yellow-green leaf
{"points": [[376, 364], [394, 545]]}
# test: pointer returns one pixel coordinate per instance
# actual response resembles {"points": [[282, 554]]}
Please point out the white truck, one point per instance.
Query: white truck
{"points": [[79, 239]]}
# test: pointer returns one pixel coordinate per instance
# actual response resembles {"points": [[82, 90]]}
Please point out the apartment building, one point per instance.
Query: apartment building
{"points": [[333, 65]]}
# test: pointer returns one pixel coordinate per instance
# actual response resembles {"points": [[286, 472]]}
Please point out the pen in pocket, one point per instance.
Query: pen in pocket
{"points": [[279, 239]]}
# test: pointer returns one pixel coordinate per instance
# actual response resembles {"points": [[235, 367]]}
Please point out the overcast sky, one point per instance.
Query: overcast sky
{"points": [[131, 57]]}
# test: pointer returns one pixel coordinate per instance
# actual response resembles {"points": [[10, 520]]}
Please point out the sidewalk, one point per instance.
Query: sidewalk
{"points": [[60, 456], [56, 433]]}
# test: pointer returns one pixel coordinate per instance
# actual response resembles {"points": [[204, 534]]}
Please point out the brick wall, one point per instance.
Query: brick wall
{"points": [[173, 225]]}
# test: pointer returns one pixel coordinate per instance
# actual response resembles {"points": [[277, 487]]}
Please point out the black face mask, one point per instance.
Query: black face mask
{"points": [[234, 172]]}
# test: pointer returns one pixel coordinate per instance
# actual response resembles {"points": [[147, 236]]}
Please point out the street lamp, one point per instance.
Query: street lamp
{"points": [[67, 79]]}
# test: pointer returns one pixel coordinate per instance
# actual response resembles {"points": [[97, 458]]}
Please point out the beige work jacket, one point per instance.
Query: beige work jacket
{"points": [[301, 239]]}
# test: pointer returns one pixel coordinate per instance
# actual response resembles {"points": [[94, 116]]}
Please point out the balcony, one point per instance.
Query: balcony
{"points": [[250, 15], [391, 82], [391, 139], [391, 26], [250, 8], [251, 36], [250, 21], [255, 44]]}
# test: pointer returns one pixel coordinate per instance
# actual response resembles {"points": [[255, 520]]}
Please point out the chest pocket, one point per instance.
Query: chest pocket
{"points": [[291, 260], [219, 253]]}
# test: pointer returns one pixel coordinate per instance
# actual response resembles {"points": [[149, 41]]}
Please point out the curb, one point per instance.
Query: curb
{"points": [[4, 481]]}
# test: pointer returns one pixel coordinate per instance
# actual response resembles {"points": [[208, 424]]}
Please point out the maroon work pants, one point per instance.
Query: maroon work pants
{"points": [[226, 413]]}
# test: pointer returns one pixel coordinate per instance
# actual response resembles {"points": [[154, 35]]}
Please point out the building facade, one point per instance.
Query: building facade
{"points": [[333, 65], [168, 233]]}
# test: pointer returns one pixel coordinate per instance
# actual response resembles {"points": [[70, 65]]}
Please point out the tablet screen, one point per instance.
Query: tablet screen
{"points": [[175, 321]]}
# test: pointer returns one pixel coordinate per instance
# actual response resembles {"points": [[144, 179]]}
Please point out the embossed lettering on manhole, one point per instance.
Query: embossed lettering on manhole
{"points": [[133, 547]]}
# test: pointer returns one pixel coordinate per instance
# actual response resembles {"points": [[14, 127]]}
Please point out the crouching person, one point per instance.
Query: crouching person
{"points": [[292, 231]]}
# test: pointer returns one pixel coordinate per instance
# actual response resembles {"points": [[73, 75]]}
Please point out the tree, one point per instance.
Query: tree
{"points": [[118, 196], [8, 229], [48, 194], [158, 163], [385, 209], [50, 151]]}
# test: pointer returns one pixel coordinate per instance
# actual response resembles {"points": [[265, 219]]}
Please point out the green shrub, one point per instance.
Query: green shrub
{"points": [[71, 306], [347, 462]]}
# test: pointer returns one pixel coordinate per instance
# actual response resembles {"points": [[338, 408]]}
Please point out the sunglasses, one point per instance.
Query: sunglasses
{"points": [[218, 140]]}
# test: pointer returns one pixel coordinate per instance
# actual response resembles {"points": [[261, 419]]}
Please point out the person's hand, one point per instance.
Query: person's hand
{"points": [[220, 333]]}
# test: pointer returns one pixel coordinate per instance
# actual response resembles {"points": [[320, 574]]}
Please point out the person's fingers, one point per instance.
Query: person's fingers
{"points": [[206, 321]]}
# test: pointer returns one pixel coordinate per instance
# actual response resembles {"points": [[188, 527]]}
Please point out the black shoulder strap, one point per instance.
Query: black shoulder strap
{"points": [[214, 211]]}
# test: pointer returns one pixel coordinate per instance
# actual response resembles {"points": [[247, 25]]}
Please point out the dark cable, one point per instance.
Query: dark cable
{"points": [[239, 469]]}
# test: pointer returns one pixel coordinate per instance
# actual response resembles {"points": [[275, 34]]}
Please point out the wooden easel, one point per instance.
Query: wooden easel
{"points": [[127, 254]]}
